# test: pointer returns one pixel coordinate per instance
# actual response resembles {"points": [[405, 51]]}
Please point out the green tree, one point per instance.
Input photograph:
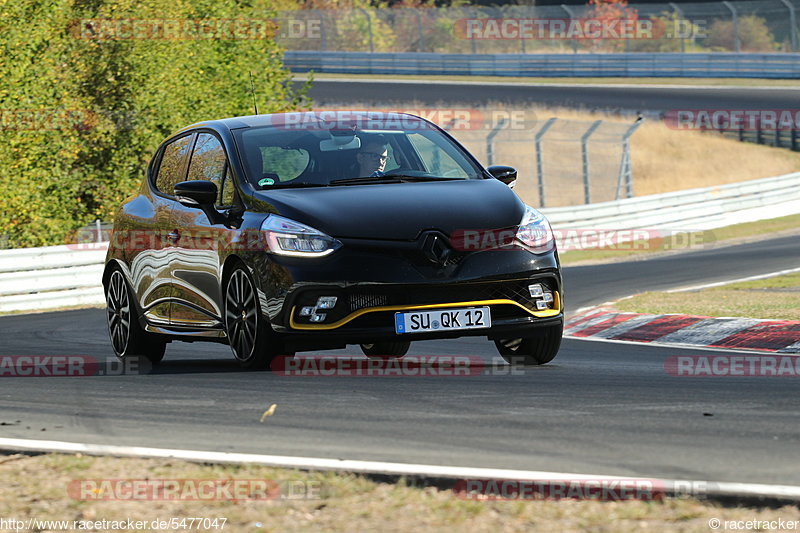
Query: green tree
{"points": [[106, 103]]}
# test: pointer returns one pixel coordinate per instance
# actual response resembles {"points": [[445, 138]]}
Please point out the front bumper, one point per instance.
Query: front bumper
{"points": [[364, 312]]}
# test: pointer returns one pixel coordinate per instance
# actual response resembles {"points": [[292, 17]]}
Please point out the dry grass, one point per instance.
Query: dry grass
{"points": [[36, 487], [775, 298]]}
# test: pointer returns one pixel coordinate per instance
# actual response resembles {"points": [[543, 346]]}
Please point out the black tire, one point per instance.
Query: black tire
{"points": [[128, 340], [532, 351], [386, 349], [250, 337]]}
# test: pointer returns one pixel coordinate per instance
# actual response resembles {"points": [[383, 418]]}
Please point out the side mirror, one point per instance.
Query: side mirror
{"points": [[196, 193], [507, 175]]}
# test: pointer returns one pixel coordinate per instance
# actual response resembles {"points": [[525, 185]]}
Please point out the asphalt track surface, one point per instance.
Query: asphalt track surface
{"points": [[611, 98], [599, 408]]}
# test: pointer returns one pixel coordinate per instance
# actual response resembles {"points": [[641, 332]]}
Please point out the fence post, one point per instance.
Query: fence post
{"points": [[587, 194], [539, 165], [571, 15], [473, 44], [323, 41], [421, 43], [792, 23], [369, 29], [490, 140], [681, 18], [735, 18], [625, 167]]}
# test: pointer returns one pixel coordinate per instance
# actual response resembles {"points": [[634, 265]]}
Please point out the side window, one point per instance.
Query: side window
{"points": [[437, 161], [208, 160], [170, 171], [228, 190]]}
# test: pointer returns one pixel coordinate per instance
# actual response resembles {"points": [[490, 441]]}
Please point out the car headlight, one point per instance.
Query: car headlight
{"points": [[535, 233], [287, 237]]}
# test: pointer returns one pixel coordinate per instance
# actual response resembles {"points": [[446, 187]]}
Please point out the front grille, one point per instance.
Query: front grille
{"points": [[360, 301]]}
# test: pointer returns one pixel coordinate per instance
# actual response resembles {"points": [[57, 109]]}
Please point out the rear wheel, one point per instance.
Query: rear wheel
{"points": [[386, 349], [251, 339], [129, 340], [531, 351]]}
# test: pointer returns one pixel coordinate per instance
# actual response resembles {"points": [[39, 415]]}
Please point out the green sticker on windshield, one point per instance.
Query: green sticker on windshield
{"points": [[266, 181]]}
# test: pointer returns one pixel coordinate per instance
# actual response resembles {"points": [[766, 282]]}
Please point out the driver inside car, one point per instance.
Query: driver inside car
{"points": [[372, 157]]}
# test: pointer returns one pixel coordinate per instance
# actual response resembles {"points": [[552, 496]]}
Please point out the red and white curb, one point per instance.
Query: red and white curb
{"points": [[781, 336]]}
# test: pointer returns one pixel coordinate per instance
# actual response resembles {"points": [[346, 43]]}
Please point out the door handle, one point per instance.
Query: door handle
{"points": [[174, 236]]}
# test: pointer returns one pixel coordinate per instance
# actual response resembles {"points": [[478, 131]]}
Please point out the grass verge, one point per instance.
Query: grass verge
{"points": [[37, 487], [684, 242], [716, 82], [775, 298]]}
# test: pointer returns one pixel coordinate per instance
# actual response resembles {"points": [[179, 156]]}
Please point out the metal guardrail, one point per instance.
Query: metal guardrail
{"points": [[51, 277], [705, 65], [64, 276], [689, 210]]}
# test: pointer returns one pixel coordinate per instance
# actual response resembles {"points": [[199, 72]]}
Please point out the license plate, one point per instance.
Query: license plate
{"points": [[442, 320]]}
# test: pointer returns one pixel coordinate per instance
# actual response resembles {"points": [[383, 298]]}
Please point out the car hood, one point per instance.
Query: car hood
{"points": [[400, 211]]}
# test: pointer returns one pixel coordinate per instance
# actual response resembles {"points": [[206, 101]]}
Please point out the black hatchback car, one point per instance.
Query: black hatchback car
{"points": [[311, 231]]}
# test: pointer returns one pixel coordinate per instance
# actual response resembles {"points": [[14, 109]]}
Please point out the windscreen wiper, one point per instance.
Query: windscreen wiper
{"points": [[366, 180], [423, 178], [288, 185]]}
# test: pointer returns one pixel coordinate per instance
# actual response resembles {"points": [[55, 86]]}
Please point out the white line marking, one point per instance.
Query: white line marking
{"points": [[377, 467], [749, 278], [534, 84]]}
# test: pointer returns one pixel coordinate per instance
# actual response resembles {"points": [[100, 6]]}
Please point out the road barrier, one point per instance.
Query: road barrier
{"points": [[51, 277], [695, 65], [689, 210], [70, 275]]}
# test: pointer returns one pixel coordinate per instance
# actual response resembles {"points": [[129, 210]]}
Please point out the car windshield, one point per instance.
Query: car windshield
{"points": [[307, 153]]}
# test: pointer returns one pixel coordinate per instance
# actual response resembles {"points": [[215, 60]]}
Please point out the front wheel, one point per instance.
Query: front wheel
{"points": [[532, 351], [250, 337], [129, 340], [386, 349]]}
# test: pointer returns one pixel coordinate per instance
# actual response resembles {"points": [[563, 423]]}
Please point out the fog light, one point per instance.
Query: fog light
{"points": [[319, 317], [541, 305], [326, 302], [548, 297], [536, 290], [306, 311]]}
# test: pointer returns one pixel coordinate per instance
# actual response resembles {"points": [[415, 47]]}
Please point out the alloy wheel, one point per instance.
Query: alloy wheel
{"points": [[241, 315], [119, 312]]}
